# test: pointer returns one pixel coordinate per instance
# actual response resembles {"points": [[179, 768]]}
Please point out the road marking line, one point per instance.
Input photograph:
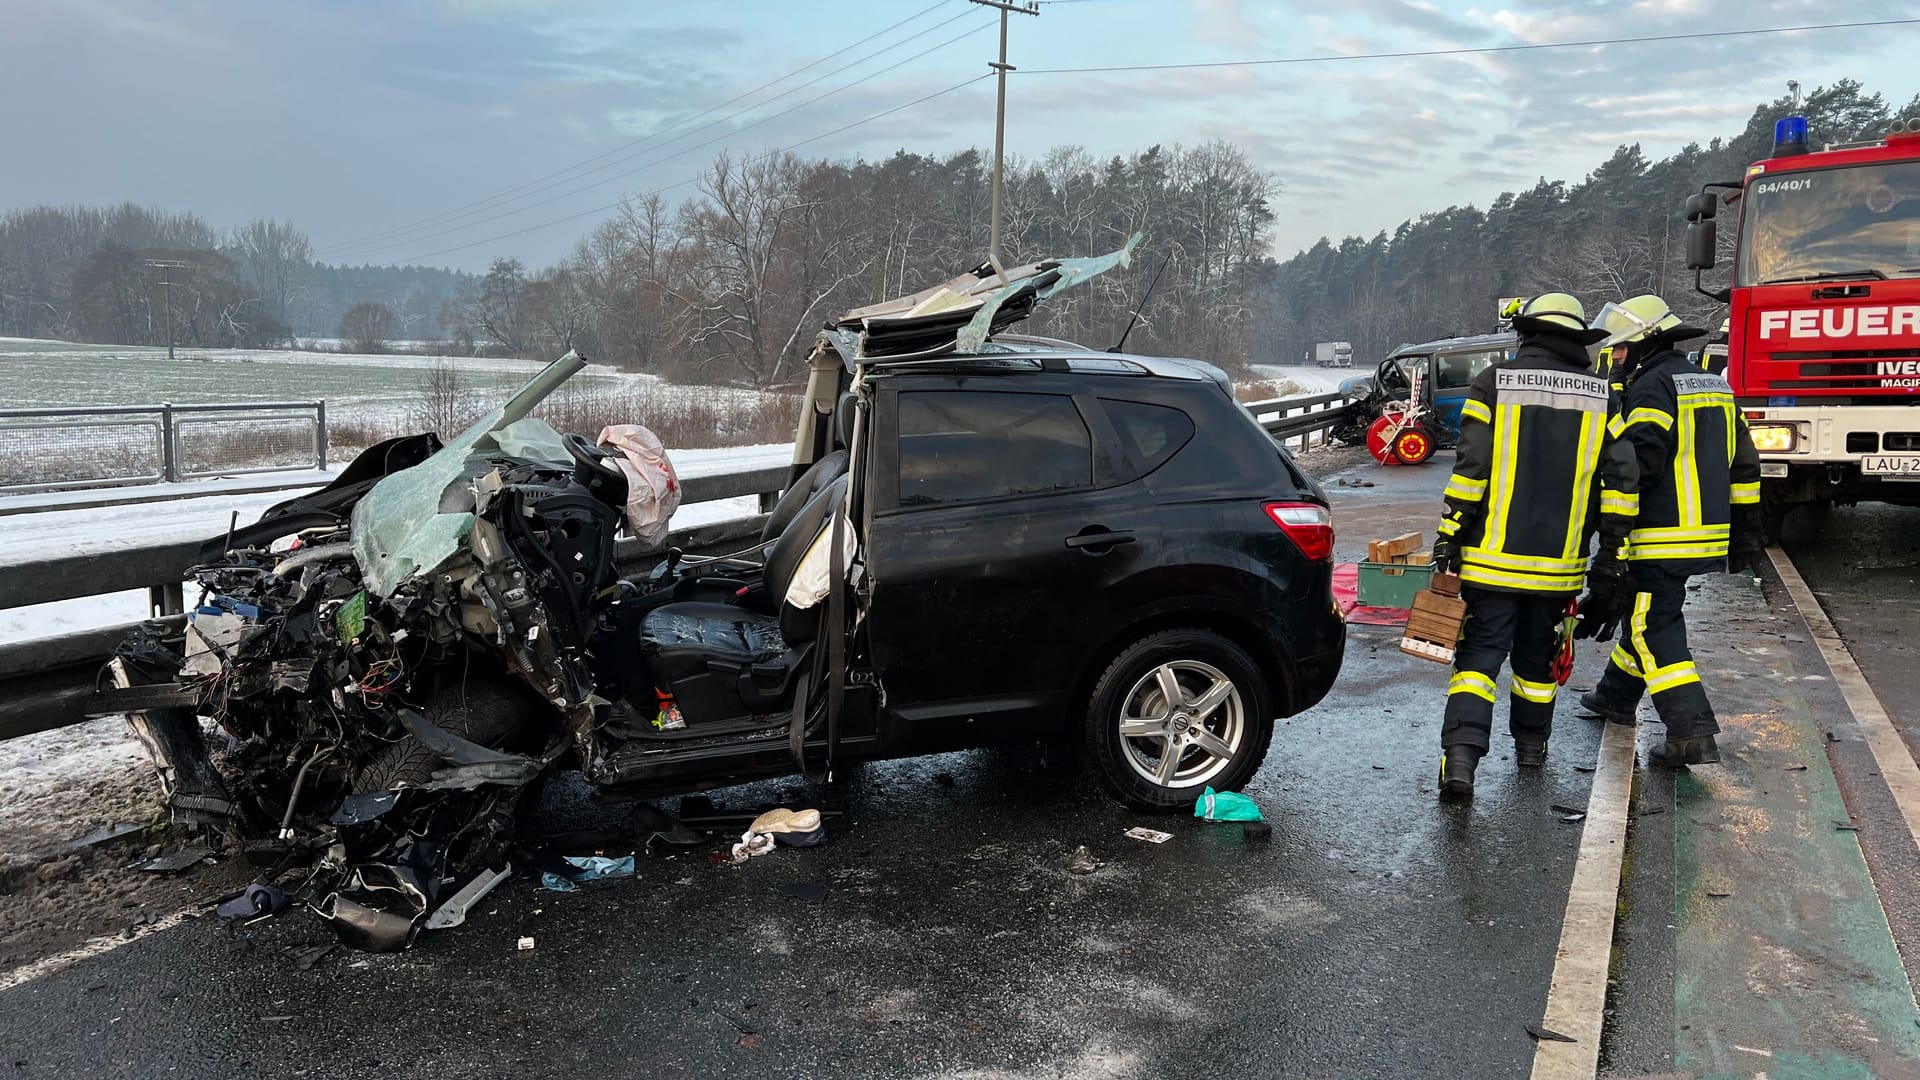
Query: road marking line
{"points": [[100, 946], [1577, 998], [1890, 753]]}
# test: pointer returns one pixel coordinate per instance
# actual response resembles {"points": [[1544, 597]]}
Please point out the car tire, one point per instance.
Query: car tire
{"points": [[1132, 692], [486, 713]]}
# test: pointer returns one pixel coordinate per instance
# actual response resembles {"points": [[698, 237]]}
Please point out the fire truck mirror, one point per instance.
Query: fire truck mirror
{"points": [[1701, 206], [1703, 240]]}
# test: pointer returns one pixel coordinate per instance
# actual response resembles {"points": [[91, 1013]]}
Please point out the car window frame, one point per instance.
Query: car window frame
{"points": [[1136, 467], [1108, 464], [1494, 353]]}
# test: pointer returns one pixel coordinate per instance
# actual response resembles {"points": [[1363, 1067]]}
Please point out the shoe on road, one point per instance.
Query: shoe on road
{"points": [[1592, 704], [1529, 754], [1680, 753], [1456, 771]]}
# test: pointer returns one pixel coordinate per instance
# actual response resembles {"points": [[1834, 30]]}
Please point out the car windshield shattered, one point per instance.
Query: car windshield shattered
{"points": [[377, 677]]}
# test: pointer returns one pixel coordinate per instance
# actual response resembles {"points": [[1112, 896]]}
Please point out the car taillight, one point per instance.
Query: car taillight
{"points": [[1308, 525]]}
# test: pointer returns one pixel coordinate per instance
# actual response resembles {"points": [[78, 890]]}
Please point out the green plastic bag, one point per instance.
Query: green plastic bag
{"points": [[1226, 806]]}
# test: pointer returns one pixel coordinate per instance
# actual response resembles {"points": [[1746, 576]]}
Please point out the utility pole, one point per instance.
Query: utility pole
{"points": [[1031, 7], [167, 287]]}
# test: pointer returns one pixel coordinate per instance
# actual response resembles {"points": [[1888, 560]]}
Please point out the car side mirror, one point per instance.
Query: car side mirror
{"points": [[1702, 205], [1703, 243]]}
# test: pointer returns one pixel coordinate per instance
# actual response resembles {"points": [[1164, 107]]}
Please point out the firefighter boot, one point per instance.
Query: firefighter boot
{"points": [[1679, 753], [1456, 771], [1529, 754], [1592, 704]]}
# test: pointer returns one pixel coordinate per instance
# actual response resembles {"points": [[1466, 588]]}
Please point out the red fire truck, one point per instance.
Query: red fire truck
{"points": [[1823, 350]]}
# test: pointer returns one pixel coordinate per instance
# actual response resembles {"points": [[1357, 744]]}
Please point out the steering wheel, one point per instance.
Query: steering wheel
{"points": [[1392, 377], [597, 469]]}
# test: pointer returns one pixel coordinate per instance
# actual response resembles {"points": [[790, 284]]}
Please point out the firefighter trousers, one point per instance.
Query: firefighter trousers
{"points": [[1652, 654], [1523, 625]]}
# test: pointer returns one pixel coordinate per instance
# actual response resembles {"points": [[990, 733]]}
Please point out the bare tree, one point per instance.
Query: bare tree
{"points": [[277, 259], [367, 327]]}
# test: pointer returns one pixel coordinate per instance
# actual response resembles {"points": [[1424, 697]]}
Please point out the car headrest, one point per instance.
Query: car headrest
{"points": [[843, 416]]}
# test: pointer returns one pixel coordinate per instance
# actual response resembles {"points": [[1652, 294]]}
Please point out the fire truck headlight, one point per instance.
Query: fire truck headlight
{"points": [[1774, 438]]}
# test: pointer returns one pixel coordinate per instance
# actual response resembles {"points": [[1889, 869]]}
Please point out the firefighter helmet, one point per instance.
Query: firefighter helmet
{"points": [[1641, 318], [1555, 313]]}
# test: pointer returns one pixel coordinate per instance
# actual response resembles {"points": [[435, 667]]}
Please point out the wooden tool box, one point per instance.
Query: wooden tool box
{"points": [[1434, 621]]}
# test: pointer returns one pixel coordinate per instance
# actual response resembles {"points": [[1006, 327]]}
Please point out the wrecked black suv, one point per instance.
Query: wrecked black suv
{"points": [[987, 538]]}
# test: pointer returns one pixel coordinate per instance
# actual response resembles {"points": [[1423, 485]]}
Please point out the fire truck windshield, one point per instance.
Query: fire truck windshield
{"points": [[1862, 221]]}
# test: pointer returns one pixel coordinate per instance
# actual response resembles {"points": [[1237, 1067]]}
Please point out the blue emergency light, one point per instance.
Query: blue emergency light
{"points": [[1789, 136]]}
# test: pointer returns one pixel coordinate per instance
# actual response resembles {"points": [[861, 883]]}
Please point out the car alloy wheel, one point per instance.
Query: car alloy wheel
{"points": [[1182, 723]]}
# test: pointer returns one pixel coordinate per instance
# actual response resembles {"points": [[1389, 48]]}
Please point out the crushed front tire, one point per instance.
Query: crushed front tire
{"points": [[482, 712]]}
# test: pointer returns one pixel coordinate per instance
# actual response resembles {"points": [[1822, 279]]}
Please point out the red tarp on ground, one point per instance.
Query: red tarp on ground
{"points": [[1346, 593]]}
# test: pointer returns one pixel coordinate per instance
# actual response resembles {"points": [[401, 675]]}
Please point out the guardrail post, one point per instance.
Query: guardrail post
{"points": [[167, 599], [320, 435], [169, 451]]}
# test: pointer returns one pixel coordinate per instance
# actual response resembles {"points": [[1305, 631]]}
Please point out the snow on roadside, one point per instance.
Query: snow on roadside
{"points": [[1311, 380]]}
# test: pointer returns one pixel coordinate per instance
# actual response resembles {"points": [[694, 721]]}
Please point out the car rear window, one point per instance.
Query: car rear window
{"points": [[964, 446], [1152, 433]]}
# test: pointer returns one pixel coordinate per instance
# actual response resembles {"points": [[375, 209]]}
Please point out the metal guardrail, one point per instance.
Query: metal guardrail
{"points": [[70, 447], [44, 684], [1300, 417]]}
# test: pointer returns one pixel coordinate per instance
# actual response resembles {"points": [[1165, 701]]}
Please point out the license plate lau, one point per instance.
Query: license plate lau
{"points": [[1891, 465]]}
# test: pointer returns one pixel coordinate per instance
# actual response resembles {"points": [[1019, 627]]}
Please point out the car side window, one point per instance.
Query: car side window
{"points": [[1152, 433], [965, 446], [1455, 371]]}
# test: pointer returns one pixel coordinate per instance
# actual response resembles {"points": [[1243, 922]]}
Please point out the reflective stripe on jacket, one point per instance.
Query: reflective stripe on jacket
{"points": [[1536, 463], [1696, 462]]}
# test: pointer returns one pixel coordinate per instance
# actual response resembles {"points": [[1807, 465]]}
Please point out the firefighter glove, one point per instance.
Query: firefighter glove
{"points": [[1609, 595], [1446, 555], [1747, 545]]}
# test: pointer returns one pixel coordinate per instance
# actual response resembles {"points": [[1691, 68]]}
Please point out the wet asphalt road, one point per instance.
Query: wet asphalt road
{"points": [[1863, 565], [1376, 934]]}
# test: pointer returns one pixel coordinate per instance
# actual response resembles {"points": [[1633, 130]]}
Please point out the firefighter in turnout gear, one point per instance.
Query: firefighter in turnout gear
{"points": [[1537, 471], [1699, 511]]}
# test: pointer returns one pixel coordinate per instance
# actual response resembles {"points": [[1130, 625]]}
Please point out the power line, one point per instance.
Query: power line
{"points": [[509, 194], [1482, 50], [683, 183], [722, 137]]}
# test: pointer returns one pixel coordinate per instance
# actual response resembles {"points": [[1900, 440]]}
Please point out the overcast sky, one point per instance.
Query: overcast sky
{"points": [[357, 118]]}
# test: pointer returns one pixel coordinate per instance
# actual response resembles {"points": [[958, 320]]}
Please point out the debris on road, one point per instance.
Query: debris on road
{"points": [[588, 868], [454, 911], [1082, 861], [1225, 806], [1151, 836], [525, 944], [176, 860], [788, 828], [105, 833], [255, 899], [1568, 813]]}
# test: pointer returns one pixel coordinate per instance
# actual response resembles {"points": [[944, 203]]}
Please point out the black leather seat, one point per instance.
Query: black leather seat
{"points": [[721, 661], [826, 470]]}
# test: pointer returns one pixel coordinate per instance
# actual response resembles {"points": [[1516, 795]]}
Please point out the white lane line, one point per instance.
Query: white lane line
{"points": [[1897, 767], [100, 946], [1577, 998]]}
